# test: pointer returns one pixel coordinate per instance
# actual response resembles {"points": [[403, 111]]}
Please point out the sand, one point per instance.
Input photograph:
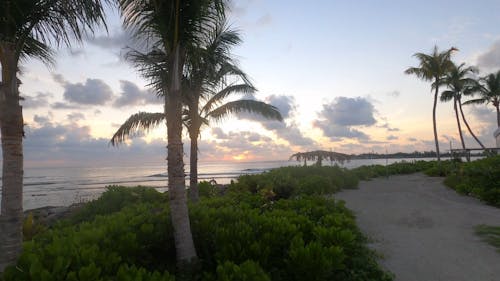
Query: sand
{"points": [[424, 230]]}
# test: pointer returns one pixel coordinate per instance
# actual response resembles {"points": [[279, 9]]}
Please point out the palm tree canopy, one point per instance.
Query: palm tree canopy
{"points": [[159, 25], [488, 90], [459, 82], [31, 24], [432, 66]]}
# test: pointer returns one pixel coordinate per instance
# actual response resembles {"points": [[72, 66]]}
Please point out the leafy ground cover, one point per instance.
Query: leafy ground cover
{"points": [[480, 179], [490, 234], [243, 235]]}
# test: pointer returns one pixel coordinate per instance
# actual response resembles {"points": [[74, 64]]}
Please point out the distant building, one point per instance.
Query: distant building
{"points": [[496, 134]]}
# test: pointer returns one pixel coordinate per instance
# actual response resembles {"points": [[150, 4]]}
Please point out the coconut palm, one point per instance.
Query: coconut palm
{"points": [[172, 28], [319, 156], [433, 67], [460, 83], [489, 92], [26, 29], [210, 70]]}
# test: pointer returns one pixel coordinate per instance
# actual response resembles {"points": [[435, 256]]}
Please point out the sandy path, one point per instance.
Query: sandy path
{"points": [[424, 230]]}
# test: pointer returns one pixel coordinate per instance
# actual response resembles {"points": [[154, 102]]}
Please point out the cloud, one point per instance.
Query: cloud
{"points": [[287, 130], [392, 137], [338, 118], [92, 92], [119, 39], [76, 52], [62, 105], [490, 59], [264, 20], [388, 127], [41, 120], [131, 95], [40, 100], [242, 144], [49, 143], [75, 116], [394, 94], [219, 133], [412, 139], [59, 78], [484, 113], [346, 111]]}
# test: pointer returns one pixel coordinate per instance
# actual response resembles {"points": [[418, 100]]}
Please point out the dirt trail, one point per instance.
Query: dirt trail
{"points": [[424, 230]]}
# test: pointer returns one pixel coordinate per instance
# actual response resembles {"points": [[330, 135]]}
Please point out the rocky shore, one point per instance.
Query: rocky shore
{"points": [[50, 214]]}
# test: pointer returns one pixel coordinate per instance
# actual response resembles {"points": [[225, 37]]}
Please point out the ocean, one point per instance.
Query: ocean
{"points": [[63, 186]]}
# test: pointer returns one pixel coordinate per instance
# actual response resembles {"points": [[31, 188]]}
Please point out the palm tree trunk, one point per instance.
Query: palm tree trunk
{"points": [[193, 169], [497, 105], [11, 123], [459, 128], [467, 124], [434, 122], [184, 245]]}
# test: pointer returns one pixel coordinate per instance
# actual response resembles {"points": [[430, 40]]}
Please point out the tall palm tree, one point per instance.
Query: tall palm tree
{"points": [[26, 29], [211, 69], [172, 28], [433, 67], [489, 92], [460, 83]]}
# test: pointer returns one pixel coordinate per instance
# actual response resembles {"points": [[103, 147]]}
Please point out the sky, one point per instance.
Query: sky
{"points": [[335, 70]]}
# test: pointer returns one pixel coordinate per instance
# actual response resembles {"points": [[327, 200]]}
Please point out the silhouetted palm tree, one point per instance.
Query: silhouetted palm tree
{"points": [[489, 92], [433, 67], [213, 76], [460, 83], [169, 29], [26, 28]]}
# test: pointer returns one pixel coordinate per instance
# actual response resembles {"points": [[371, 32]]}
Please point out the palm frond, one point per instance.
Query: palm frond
{"points": [[447, 96], [142, 121], [475, 101], [251, 106], [35, 49], [219, 97]]}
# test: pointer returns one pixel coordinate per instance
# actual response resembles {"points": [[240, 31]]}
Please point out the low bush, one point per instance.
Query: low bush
{"points": [[116, 198], [239, 236], [287, 182], [480, 178]]}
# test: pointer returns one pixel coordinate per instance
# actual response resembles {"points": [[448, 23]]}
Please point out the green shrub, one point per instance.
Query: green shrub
{"points": [[240, 236], [480, 178], [286, 182], [206, 189], [315, 185], [247, 271], [115, 198]]}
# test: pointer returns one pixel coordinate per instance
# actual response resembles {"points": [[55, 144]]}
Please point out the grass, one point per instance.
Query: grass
{"points": [[489, 234]]}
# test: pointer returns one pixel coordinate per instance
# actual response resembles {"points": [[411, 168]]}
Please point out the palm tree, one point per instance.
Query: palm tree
{"points": [[26, 28], [460, 84], [319, 156], [172, 28], [489, 91], [433, 68], [211, 68]]}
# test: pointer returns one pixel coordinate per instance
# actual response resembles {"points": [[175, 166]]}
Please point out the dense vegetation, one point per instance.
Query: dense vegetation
{"points": [[265, 227], [479, 178]]}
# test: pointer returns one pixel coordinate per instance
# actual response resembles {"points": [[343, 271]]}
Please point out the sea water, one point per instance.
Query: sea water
{"points": [[63, 186]]}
